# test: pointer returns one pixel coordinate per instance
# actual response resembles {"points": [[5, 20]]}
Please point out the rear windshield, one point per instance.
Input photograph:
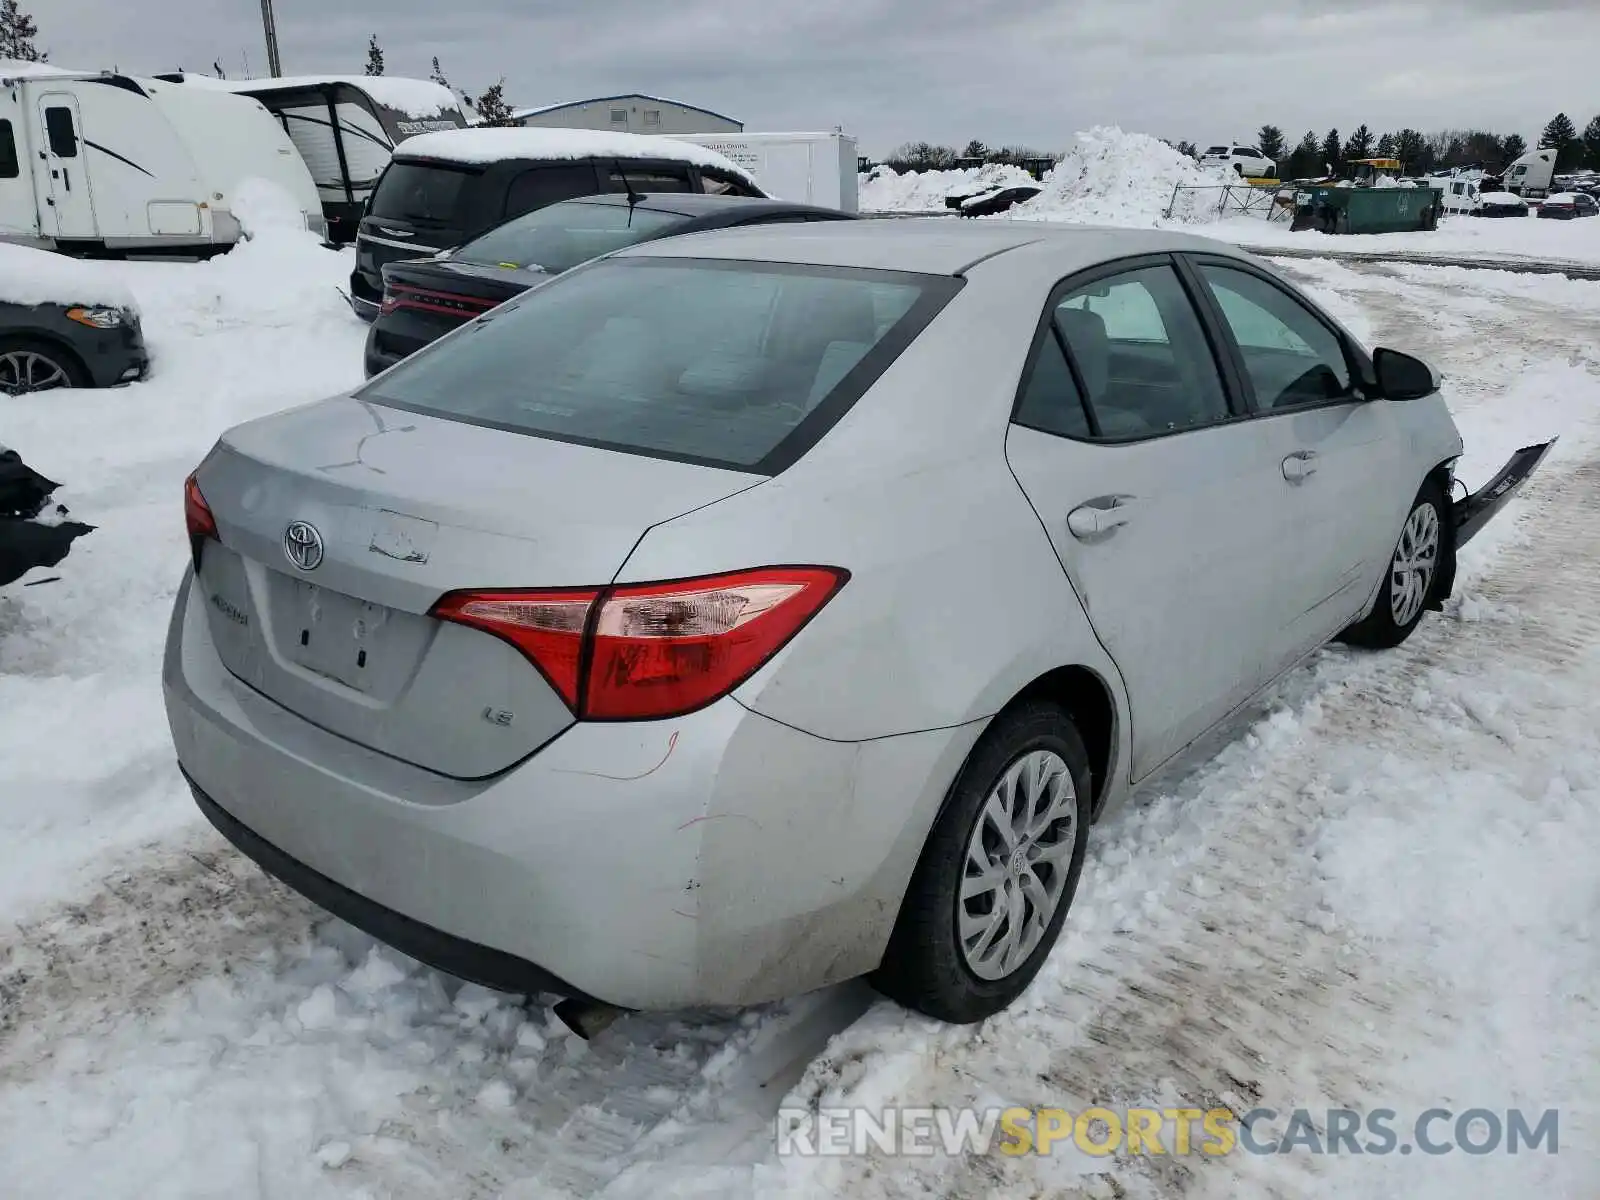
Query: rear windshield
{"points": [[561, 236], [731, 364], [422, 193]]}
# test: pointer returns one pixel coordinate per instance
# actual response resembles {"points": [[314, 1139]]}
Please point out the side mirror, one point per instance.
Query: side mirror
{"points": [[1402, 377]]}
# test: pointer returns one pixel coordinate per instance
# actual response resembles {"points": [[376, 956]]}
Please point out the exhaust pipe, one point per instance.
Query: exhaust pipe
{"points": [[587, 1018]]}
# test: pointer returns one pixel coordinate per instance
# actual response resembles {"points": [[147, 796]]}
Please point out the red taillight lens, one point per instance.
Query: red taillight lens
{"points": [[547, 627], [647, 651], [197, 513]]}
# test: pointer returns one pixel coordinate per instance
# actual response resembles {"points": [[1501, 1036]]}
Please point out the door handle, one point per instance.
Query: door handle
{"points": [[1300, 466], [66, 178], [1098, 517]]}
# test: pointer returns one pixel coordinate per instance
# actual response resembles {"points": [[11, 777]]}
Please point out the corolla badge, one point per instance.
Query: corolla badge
{"points": [[302, 545]]}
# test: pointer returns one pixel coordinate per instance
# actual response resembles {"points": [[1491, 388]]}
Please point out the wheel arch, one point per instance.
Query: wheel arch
{"points": [[47, 339], [1444, 579], [1088, 699]]}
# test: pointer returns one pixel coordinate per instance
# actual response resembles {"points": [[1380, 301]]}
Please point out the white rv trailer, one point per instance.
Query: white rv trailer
{"points": [[346, 127], [105, 163], [807, 168]]}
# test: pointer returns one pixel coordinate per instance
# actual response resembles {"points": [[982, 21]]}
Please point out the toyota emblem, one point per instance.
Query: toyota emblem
{"points": [[302, 545]]}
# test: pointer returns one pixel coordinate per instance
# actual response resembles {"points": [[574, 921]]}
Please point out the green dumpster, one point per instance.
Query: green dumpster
{"points": [[1367, 209]]}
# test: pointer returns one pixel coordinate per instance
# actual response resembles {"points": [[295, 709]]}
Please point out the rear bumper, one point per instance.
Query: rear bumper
{"points": [[453, 955], [721, 858]]}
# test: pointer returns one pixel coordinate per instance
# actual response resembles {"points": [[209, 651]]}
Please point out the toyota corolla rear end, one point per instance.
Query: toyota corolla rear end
{"points": [[401, 677]]}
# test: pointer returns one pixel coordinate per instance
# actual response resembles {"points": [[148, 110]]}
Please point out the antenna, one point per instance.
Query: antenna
{"points": [[270, 28]]}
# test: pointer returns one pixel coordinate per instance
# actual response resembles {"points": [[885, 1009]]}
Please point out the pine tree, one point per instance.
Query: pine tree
{"points": [[976, 149], [1306, 161], [375, 57], [1591, 143], [1562, 137], [1385, 147], [1411, 148], [17, 33], [1331, 151], [1269, 140], [1359, 145], [492, 106]]}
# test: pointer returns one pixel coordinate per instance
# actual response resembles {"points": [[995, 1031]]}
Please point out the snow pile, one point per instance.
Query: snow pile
{"points": [[883, 189], [29, 276], [1116, 178], [266, 210], [493, 145]]}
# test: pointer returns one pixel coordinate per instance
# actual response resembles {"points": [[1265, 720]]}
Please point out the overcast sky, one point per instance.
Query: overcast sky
{"points": [[889, 71]]}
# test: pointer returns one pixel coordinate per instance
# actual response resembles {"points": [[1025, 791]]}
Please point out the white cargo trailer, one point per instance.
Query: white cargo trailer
{"points": [[808, 168], [100, 162]]}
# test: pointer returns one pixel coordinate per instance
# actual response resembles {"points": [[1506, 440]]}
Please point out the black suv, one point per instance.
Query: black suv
{"points": [[443, 189], [424, 299]]}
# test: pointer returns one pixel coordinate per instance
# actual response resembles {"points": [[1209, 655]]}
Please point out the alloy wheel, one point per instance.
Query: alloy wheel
{"points": [[28, 371], [1415, 559], [1016, 865]]}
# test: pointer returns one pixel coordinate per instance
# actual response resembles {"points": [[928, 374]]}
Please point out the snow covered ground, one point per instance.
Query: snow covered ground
{"points": [[1110, 177], [1382, 895]]}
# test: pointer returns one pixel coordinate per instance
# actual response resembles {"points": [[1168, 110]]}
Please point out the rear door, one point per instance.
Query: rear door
{"points": [[1342, 484], [68, 204], [1158, 496]]}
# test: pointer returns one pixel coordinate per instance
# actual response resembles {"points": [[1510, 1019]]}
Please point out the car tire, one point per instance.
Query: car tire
{"points": [[929, 967], [39, 356], [1408, 585]]}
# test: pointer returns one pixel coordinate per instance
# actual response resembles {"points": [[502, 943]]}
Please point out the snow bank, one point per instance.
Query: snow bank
{"points": [[1116, 178], [883, 189], [492, 145], [1108, 178], [29, 276], [15, 68]]}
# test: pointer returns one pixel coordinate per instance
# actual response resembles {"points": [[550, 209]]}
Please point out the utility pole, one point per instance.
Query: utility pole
{"points": [[274, 68]]}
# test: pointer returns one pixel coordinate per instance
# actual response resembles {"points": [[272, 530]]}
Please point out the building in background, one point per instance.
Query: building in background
{"points": [[629, 114]]}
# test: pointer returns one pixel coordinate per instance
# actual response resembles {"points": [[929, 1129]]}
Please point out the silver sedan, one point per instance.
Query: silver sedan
{"points": [[748, 611]]}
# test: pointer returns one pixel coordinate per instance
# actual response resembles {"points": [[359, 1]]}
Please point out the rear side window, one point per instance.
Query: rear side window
{"points": [[58, 129], [423, 193], [1141, 354], [10, 168], [730, 364], [647, 179], [533, 189], [720, 183], [1050, 401]]}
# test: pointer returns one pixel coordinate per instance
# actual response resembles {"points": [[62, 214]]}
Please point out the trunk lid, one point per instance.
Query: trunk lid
{"points": [[402, 508]]}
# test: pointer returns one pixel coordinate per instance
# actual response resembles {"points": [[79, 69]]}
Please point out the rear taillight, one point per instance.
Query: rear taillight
{"points": [[647, 651], [197, 513]]}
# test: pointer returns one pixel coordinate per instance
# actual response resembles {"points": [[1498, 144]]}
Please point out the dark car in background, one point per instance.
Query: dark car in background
{"points": [[440, 190], [424, 299], [1568, 206], [58, 345]]}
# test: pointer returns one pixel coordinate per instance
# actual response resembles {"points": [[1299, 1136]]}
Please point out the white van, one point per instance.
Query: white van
{"points": [[99, 162]]}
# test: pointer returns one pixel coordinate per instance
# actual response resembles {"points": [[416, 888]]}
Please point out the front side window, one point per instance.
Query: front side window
{"points": [[59, 131], [1141, 355], [624, 178], [732, 364], [715, 182], [558, 237], [1290, 357]]}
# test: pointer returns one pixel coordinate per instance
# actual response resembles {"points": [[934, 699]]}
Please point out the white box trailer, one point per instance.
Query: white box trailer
{"points": [[346, 128], [807, 168], [100, 162]]}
